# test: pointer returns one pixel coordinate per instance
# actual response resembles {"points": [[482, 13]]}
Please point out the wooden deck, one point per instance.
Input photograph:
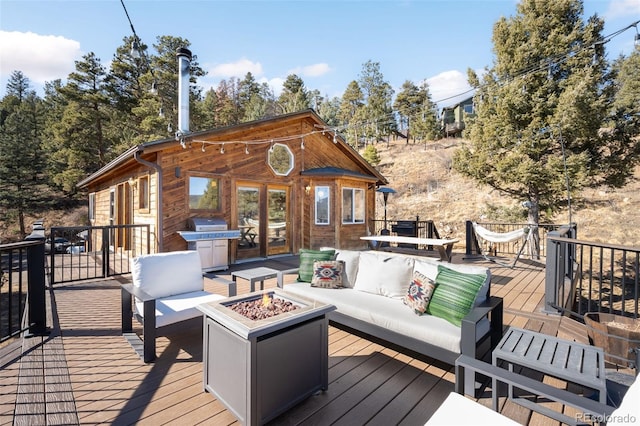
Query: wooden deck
{"points": [[86, 373]]}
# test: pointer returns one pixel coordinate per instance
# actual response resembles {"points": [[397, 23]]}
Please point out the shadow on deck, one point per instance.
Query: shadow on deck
{"points": [[85, 372]]}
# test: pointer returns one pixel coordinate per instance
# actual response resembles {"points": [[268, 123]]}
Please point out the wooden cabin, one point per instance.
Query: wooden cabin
{"points": [[285, 183]]}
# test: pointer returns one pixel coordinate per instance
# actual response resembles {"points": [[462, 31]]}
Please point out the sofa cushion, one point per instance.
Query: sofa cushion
{"points": [[419, 293], [385, 275], [327, 273], [307, 257], [429, 267], [455, 294], [385, 312], [180, 307], [351, 260], [167, 274]]}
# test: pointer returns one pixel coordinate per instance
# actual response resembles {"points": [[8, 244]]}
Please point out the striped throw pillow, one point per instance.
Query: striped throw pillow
{"points": [[307, 257], [454, 294]]}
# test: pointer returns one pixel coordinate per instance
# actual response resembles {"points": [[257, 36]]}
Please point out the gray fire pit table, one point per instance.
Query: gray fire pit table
{"points": [[260, 369], [254, 275]]}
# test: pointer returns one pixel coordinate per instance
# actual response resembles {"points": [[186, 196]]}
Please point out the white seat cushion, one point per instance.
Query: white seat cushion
{"points": [[179, 307], [386, 312], [629, 410], [459, 410]]}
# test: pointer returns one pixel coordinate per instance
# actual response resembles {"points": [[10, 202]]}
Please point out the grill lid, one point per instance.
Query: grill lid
{"points": [[204, 224]]}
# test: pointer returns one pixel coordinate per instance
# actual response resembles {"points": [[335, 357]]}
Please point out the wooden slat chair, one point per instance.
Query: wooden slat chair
{"points": [[165, 291]]}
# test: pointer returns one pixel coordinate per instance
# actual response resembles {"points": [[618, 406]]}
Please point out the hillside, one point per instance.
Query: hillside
{"points": [[427, 187]]}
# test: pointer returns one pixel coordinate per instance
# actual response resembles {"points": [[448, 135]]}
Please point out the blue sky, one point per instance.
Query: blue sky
{"points": [[324, 42]]}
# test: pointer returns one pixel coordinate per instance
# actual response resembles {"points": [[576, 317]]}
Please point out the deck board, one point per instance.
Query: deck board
{"points": [[94, 376]]}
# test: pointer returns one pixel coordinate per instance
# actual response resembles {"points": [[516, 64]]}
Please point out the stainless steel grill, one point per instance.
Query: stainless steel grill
{"points": [[210, 237]]}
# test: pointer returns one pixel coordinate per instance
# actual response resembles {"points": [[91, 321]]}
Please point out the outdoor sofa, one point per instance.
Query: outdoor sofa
{"points": [[371, 301]]}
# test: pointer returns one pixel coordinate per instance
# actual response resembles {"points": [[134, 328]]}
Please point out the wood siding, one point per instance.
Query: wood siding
{"points": [[244, 160]]}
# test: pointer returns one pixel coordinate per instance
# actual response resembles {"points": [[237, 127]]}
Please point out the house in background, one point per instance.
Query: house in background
{"points": [[452, 118], [285, 183]]}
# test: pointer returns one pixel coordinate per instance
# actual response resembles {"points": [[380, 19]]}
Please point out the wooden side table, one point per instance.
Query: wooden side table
{"points": [[563, 359], [254, 275]]}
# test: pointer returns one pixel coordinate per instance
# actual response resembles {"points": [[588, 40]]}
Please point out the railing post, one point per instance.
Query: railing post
{"points": [[105, 250], [37, 316], [554, 273], [469, 238]]}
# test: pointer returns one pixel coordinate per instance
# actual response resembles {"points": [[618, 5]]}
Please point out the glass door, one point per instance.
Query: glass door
{"points": [[248, 221], [278, 229]]}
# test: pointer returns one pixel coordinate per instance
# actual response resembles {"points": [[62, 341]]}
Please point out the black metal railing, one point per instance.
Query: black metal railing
{"points": [[407, 228], [22, 289], [85, 252], [585, 276]]}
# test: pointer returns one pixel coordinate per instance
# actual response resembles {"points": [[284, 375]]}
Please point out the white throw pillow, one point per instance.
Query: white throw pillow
{"points": [[351, 260], [385, 275]]}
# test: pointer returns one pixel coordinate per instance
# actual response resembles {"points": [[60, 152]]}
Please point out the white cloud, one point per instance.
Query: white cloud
{"points": [[622, 9], [238, 69], [315, 70], [275, 84], [41, 58], [449, 88]]}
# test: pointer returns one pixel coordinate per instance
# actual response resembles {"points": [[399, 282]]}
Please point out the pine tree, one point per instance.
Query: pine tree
{"points": [[294, 96], [378, 94], [352, 112], [22, 159], [546, 100]]}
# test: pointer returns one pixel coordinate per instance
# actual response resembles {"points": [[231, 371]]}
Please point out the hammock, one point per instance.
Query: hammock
{"points": [[501, 237]]}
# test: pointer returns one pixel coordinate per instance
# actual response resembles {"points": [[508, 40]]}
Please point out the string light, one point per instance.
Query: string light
{"points": [[222, 149], [334, 138], [246, 148], [202, 146], [302, 143]]}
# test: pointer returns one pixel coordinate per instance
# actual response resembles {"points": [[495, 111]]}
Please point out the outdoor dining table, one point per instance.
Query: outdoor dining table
{"points": [[444, 246]]}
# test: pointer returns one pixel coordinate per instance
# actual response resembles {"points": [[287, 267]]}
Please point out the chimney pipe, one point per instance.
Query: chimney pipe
{"points": [[184, 62]]}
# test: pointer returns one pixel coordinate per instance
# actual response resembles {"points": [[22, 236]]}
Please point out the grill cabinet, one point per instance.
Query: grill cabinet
{"points": [[210, 237]]}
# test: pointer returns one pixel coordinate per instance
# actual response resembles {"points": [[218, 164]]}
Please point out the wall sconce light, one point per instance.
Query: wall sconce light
{"points": [[133, 183], [307, 189]]}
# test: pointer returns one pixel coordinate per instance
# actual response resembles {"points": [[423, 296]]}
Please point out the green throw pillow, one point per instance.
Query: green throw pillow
{"points": [[454, 294], [307, 257]]}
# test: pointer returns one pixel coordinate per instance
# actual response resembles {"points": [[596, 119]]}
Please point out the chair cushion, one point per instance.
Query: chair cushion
{"points": [[419, 293], [327, 273], [180, 307], [455, 294], [307, 257], [459, 410], [629, 407], [166, 274]]}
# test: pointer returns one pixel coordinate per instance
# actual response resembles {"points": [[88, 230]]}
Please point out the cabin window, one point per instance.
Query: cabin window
{"points": [[353, 205], [280, 159], [322, 205], [143, 193], [92, 206], [204, 193]]}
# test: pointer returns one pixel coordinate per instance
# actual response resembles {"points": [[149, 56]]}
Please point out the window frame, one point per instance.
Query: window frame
{"points": [[92, 206], [144, 197], [317, 192], [357, 197], [218, 181]]}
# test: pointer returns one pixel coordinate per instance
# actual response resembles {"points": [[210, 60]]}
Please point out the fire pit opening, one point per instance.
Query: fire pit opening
{"points": [[266, 307]]}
